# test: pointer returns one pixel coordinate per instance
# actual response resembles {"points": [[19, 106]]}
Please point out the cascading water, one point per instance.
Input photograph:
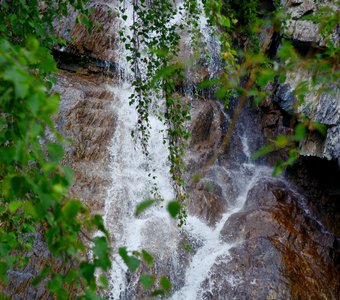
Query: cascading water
{"points": [[131, 183], [154, 230], [133, 176]]}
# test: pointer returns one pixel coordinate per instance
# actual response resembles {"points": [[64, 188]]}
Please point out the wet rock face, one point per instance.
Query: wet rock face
{"points": [[86, 116], [100, 42], [279, 250], [207, 131], [210, 188], [250, 273], [207, 202]]}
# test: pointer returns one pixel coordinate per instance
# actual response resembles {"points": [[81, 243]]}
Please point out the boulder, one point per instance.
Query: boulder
{"points": [[279, 250]]}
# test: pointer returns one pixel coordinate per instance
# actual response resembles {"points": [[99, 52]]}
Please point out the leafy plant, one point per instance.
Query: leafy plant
{"points": [[34, 185]]}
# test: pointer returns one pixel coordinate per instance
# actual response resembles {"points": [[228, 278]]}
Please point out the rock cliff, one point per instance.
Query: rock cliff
{"points": [[284, 243]]}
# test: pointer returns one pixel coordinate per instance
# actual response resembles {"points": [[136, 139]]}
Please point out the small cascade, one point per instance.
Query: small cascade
{"points": [[134, 178], [213, 249]]}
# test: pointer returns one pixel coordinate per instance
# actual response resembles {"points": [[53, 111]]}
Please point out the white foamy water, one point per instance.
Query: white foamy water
{"points": [[213, 248], [154, 230], [132, 184]]}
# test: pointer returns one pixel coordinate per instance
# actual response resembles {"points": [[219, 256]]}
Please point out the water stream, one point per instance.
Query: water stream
{"points": [[131, 184]]}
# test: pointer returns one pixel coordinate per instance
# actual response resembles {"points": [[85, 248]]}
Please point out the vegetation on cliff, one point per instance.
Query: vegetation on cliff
{"points": [[34, 184]]}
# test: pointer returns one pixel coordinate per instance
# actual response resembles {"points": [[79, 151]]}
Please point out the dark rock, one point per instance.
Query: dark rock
{"points": [[207, 202], [284, 96], [202, 126], [279, 250], [207, 132], [253, 271], [319, 181], [272, 119], [332, 145]]}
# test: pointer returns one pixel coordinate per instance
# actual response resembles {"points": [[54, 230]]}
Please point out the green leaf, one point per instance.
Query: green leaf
{"points": [[34, 103], [143, 206], [286, 51], [30, 209], [55, 151], [71, 208], [281, 141], [131, 262], [278, 169], [224, 21], [158, 293], [101, 250], [208, 83], [68, 172], [174, 208], [147, 281], [263, 151], [87, 270], [19, 79], [300, 132], [41, 276], [92, 296], [322, 128], [20, 185], [282, 78], [220, 93], [147, 257], [265, 76], [165, 283], [104, 281], [14, 206], [97, 220]]}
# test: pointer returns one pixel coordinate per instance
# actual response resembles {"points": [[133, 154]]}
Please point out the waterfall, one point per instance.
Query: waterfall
{"points": [[212, 248], [133, 177], [154, 230], [131, 183]]}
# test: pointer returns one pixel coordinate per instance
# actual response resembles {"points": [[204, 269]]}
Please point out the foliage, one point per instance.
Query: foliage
{"points": [[152, 40], [35, 18], [250, 71], [33, 184], [148, 281], [34, 187]]}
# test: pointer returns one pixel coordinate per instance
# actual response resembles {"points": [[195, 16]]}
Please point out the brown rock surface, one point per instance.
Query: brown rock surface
{"points": [[280, 251], [87, 118], [100, 42]]}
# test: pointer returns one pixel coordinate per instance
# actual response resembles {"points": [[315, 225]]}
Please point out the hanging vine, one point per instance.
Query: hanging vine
{"points": [[152, 41]]}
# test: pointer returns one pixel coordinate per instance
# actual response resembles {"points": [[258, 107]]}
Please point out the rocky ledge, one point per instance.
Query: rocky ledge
{"points": [[322, 107]]}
